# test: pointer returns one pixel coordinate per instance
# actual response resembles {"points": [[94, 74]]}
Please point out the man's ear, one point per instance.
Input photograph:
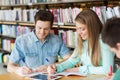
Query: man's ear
{"points": [[118, 46]]}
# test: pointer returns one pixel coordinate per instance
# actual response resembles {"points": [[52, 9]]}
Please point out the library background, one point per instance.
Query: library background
{"points": [[17, 18]]}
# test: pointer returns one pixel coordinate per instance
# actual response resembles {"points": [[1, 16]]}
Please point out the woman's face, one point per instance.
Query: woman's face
{"points": [[82, 30]]}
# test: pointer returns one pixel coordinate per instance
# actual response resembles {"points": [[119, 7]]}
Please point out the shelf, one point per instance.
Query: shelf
{"points": [[64, 2], [31, 24], [48, 3], [7, 36], [5, 51]]}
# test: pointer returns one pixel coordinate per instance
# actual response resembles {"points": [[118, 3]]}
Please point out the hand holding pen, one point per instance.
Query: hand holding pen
{"points": [[51, 69], [110, 75], [25, 69]]}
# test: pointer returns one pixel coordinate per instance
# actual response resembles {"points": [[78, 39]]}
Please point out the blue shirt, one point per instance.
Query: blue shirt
{"points": [[30, 49]]}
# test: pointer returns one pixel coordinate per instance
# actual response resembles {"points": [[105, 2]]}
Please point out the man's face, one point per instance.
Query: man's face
{"points": [[42, 29], [116, 51]]}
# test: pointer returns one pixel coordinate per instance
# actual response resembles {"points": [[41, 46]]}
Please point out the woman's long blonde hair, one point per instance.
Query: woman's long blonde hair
{"points": [[94, 26]]}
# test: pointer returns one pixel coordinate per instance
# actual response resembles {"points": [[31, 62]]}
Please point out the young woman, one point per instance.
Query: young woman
{"points": [[93, 55]]}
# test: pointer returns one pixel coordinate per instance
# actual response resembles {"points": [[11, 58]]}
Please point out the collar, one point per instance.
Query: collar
{"points": [[36, 39]]}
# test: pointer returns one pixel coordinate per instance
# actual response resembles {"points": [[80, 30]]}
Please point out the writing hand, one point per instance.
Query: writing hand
{"points": [[108, 77], [24, 70], [51, 69]]}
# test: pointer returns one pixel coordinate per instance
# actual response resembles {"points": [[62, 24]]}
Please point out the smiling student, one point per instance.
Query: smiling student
{"points": [[33, 48], [110, 35], [94, 55]]}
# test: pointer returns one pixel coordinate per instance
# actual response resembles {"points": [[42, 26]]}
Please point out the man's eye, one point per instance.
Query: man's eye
{"points": [[83, 29]]}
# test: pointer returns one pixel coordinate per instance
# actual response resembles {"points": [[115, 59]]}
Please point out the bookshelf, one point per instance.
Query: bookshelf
{"points": [[53, 5]]}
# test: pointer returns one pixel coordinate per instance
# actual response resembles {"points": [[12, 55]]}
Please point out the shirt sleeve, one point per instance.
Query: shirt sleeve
{"points": [[71, 62], [107, 60], [117, 75], [16, 54], [63, 50]]}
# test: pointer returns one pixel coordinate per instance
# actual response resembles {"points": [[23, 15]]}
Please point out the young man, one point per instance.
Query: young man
{"points": [[34, 51], [111, 36]]}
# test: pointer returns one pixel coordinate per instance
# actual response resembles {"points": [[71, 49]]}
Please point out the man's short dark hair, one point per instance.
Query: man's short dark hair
{"points": [[44, 15], [111, 32]]}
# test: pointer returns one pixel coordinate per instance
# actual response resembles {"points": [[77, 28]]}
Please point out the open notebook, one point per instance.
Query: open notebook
{"points": [[70, 73], [34, 74]]}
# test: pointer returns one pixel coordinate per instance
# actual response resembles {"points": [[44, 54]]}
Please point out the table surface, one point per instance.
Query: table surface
{"points": [[11, 76]]}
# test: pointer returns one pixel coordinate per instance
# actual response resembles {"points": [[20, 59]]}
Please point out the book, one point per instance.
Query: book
{"points": [[70, 73]]}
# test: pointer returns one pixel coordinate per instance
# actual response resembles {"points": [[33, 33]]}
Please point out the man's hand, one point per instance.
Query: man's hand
{"points": [[23, 70]]}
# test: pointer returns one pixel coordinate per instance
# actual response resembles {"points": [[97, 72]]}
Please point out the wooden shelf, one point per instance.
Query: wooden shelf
{"points": [[31, 24], [48, 3], [2, 50], [64, 27], [7, 36]]}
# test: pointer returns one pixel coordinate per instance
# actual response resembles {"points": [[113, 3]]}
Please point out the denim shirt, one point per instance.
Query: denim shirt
{"points": [[34, 53]]}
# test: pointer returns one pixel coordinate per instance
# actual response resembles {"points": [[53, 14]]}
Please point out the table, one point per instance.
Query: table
{"points": [[11, 76]]}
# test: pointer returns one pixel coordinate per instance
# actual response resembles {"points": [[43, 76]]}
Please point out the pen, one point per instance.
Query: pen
{"points": [[23, 60], [24, 63], [110, 73], [47, 61]]}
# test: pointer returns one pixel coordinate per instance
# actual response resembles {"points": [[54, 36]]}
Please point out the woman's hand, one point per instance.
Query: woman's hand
{"points": [[51, 69]]}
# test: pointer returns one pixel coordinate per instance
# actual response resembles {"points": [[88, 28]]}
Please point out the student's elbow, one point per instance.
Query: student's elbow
{"points": [[11, 67], [8, 67]]}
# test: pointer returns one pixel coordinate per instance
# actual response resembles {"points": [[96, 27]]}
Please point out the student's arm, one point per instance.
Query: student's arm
{"points": [[64, 52], [12, 68], [15, 68], [66, 56], [117, 75], [71, 62], [15, 57]]}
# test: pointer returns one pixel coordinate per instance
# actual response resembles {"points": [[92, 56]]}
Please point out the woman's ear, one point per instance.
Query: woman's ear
{"points": [[118, 46]]}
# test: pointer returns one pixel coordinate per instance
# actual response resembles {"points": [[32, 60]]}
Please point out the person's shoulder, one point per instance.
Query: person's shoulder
{"points": [[102, 44], [117, 75], [24, 36], [54, 36]]}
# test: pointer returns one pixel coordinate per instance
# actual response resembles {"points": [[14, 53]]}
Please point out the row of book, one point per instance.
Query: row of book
{"points": [[61, 15], [28, 2], [7, 44], [69, 37], [18, 15], [14, 30]]}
